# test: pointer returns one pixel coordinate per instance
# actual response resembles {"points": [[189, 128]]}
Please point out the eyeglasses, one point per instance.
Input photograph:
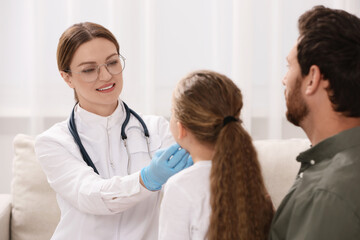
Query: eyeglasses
{"points": [[90, 72]]}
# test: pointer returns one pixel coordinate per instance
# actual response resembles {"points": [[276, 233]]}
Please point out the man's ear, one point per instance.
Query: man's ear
{"points": [[314, 80], [181, 130], [67, 79]]}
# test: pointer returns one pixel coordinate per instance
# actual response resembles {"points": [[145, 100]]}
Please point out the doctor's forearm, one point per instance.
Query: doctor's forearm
{"points": [[122, 193]]}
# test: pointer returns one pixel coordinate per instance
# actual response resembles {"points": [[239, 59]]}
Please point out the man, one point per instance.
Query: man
{"points": [[323, 98]]}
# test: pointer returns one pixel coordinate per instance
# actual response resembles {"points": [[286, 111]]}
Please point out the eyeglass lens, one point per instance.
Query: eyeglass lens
{"points": [[114, 66]]}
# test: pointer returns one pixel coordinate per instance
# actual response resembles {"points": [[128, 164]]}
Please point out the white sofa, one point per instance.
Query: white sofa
{"points": [[30, 212]]}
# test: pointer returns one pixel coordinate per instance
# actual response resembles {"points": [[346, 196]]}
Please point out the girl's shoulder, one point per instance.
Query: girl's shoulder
{"points": [[193, 177]]}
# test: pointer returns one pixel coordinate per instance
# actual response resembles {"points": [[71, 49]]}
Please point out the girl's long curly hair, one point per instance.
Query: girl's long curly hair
{"points": [[241, 206]]}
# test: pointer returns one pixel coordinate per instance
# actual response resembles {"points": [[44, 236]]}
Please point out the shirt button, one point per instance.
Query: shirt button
{"points": [[312, 162], [301, 175]]}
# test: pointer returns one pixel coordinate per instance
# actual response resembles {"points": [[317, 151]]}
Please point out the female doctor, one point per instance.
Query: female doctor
{"points": [[99, 160]]}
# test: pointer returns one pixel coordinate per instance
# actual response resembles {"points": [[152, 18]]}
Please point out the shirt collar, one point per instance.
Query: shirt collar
{"points": [[117, 117], [327, 148]]}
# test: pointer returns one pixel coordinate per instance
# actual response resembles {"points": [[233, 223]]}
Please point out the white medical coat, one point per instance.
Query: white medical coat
{"points": [[112, 205]]}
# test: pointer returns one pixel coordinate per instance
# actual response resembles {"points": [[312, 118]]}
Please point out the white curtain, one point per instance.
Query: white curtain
{"points": [[162, 41]]}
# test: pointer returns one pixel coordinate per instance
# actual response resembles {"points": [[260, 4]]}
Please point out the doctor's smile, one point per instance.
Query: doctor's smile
{"points": [[106, 88]]}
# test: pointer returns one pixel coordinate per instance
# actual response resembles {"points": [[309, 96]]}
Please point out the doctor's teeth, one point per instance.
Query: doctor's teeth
{"points": [[106, 88]]}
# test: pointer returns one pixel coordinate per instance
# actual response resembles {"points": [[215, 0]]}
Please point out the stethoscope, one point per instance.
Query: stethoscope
{"points": [[85, 155]]}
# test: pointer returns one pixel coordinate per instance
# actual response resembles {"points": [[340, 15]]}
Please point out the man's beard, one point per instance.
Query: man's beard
{"points": [[297, 108]]}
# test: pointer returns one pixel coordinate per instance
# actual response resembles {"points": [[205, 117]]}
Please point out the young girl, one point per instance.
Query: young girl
{"points": [[222, 196]]}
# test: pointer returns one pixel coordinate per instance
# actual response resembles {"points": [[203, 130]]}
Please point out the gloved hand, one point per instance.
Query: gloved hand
{"points": [[164, 164]]}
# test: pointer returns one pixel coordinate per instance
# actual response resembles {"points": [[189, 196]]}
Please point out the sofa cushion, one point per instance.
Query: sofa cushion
{"points": [[5, 211], [35, 212], [279, 165]]}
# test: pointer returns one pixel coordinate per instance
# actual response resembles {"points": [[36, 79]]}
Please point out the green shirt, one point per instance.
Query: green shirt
{"points": [[324, 202]]}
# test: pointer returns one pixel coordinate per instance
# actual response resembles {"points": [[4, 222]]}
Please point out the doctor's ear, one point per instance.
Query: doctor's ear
{"points": [[182, 132], [67, 78]]}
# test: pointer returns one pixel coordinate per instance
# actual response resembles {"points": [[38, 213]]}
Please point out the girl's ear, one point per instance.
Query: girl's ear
{"points": [[67, 79], [181, 130]]}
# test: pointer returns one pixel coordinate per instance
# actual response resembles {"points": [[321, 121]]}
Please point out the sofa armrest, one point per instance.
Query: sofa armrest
{"points": [[5, 213]]}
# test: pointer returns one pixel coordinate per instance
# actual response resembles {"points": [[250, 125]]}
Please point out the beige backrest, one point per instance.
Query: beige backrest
{"points": [[35, 212], [279, 165]]}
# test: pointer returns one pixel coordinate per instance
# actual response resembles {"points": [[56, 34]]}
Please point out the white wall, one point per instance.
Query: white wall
{"points": [[162, 40]]}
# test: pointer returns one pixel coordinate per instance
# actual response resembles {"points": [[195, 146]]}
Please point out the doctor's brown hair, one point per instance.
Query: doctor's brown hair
{"points": [[241, 206], [74, 37]]}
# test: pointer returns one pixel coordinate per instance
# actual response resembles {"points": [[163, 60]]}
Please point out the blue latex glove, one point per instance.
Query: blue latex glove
{"points": [[164, 164]]}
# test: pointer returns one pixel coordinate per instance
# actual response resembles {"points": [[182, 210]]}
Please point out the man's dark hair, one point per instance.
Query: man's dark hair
{"points": [[330, 39]]}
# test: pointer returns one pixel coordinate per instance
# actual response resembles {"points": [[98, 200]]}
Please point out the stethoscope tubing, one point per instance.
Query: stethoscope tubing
{"points": [[75, 134], [85, 155]]}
